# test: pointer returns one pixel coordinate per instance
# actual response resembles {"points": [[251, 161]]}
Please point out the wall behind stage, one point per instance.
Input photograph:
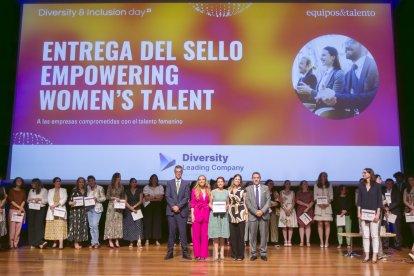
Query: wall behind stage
{"points": [[405, 60]]}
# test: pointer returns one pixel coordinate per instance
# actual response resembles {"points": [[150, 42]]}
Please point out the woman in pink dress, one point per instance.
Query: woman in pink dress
{"points": [[200, 213], [304, 204]]}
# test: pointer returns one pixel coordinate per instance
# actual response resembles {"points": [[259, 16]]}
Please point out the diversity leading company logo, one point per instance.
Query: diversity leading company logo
{"points": [[166, 162]]}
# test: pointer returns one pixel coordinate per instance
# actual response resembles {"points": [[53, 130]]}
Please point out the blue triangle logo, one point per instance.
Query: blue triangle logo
{"points": [[166, 162]]}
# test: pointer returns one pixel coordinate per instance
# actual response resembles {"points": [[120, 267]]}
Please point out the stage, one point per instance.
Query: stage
{"points": [[150, 261]]}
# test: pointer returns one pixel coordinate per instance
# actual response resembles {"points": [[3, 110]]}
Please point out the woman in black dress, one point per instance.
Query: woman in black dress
{"points": [[133, 227], [78, 220]]}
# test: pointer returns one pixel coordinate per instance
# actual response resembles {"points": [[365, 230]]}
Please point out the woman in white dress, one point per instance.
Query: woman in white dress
{"points": [[287, 219], [323, 195]]}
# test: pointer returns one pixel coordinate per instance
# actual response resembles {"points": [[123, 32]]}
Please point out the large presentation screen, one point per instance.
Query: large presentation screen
{"points": [[288, 90]]}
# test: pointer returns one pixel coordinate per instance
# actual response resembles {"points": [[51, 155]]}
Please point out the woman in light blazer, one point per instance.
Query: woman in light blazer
{"points": [[56, 227], [95, 212]]}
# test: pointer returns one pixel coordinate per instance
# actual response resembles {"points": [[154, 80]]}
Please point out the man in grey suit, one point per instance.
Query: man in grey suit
{"points": [[258, 204], [177, 195]]}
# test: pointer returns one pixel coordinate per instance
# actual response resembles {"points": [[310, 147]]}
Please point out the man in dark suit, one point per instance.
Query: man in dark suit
{"points": [[258, 204], [393, 207], [361, 81], [177, 196]]}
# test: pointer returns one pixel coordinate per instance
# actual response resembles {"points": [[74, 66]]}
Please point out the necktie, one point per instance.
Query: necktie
{"points": [[257, 197], [177, 185], [354, 79]]}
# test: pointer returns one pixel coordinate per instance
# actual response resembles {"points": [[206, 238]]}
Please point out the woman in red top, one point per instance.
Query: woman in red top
{"points": [[17, 200], [200, 214]]}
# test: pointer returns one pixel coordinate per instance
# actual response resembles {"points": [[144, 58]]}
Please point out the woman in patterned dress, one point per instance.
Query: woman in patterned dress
{"points": [[304, 201], [238, 216], [323, 212], [133, 229], [56, 227], [287, 219], [78, 220], [218, 228], [113, 222]]}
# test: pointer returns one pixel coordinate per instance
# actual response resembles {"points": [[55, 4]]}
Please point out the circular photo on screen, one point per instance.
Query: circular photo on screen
{"points": [[335, 76]]}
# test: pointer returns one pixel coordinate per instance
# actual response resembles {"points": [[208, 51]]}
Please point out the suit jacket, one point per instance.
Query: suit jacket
{"points": [[367, 88], [395, 206], [264, 202], [201, 206], [63, 198], [309, 79], [181, 199]]}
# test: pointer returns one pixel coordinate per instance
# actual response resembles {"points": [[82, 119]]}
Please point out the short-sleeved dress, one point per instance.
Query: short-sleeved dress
{"points": [[305, 197], [78, 220], [114, 218], [218, 226], [323, 214], [133, 230], [288, 203]]}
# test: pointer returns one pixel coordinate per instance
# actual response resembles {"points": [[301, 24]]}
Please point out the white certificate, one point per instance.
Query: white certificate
{"points": [[219, 207], [388, 198], [322, 200], [340, 220], [305, 218], [391, 218], [367, 215], [89, 201], [138, 215], [78, 201], [17, 218], [59, 212], [119, 204], [409, 217], [34, 206]]}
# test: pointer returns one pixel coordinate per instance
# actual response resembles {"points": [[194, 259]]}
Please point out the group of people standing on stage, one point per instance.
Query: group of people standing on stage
{"points": [[259, 208], [47, 213], [220, 214]]}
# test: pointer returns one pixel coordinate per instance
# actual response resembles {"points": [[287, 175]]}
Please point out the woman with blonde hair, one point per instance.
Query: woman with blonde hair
{"points": [[200, 214]]}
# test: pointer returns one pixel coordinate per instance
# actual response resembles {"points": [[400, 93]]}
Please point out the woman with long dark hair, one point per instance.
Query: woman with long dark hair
{"points": [[153, 211], [113, 223], [323, 195], [37, 200], [238, 215], [369, 209], [56, 227], [78, 220], [17, 199], [287, 219], [133, 228]]}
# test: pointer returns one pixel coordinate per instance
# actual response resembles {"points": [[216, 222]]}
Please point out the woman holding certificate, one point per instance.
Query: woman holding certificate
{"points": [[93, 203], [408, 198], [323, 195], [3, 200], [238, 216], [287, 219], [200, 213], [218, 228], [78, 221], [56, 227], [343, 207], [113, 224], [133, 226], [304, 209], [153, 210], [369, 208], [17, 199], [37, 200]]}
